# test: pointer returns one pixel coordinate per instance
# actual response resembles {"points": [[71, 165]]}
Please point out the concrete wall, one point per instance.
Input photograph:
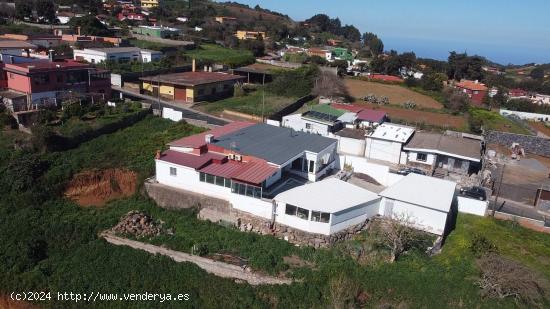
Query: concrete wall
{"points": [[383, 150], [173, 198], [472, 206], [381, 173], [351, 146], [169, 113], [425, 219]]}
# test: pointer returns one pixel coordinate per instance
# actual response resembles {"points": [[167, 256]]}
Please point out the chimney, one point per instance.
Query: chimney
{"points": [[78, 31], [157, 156], [51, 55], [194, 65]]}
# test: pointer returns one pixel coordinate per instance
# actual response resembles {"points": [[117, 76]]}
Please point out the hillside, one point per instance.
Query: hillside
{"points": [[245, 14]]}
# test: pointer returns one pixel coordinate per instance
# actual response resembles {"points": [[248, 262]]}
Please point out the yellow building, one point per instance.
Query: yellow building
{"points": [[149, 3], [250, 35], [191, 86]]}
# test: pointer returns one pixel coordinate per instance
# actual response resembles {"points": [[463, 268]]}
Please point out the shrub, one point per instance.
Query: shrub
{"points": [[294, 83], [481, 245]]}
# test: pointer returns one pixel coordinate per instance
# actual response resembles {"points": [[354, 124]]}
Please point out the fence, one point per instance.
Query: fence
{"points": [[291, 108]]}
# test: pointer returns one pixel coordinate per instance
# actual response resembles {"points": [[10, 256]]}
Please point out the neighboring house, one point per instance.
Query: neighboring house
{"points": [[156, 31], [15, 47], [14, 101], [429, 203], [182, 19], [475, 90], [117, 54], [435, 151], [386, 143], [130, 16], [226, 20], [44, 81], [148, 4], [191, 86], [323, 53], [340, 53], [517, 93], [245, 164], [351, 142], [320, 119], [325, 207], [250, 35], [65, 17], [334, 42], [370, 118], [40, 40]]}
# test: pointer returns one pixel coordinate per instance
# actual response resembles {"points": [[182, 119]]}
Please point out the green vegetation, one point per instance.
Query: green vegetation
{"points": [[48, 243], [491, 120], [149, 44], [215, 53], [250, 103], [294, 83]]}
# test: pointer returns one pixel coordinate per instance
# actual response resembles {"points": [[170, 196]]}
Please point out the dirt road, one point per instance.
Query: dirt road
{"points": [[219, 269]]}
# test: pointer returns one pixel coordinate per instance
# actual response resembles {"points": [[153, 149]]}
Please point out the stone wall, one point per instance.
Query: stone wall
{"points": [[532, 144], [249, 223], [217, 210], [172, 198]]}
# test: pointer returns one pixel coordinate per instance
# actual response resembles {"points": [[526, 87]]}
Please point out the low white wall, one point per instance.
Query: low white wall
{"points": [[275, 123], [258, 207], [169, 113], [525, 115], [472, 206], [380, 173], [351, 146]]}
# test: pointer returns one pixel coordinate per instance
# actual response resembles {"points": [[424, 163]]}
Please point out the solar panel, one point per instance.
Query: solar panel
{"points": [[321, 116]]}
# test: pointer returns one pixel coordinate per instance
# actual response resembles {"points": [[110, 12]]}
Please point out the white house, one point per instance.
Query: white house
{"points": [[426, 201], [117, 54], [325, 207], [386, 143], [430, 151]]}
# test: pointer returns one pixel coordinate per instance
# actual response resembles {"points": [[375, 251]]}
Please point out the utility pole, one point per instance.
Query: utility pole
{"points": [[498, 191], [263, 97]]}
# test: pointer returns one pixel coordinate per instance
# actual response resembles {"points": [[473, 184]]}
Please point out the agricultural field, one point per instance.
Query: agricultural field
{"points": [[395, 93], [214, 53], [250, 104], [49, 242]]}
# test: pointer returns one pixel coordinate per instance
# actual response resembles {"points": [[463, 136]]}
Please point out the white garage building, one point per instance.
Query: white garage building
{"points": [[117, 54], [386, 143], [426, 201], [325, 207]]}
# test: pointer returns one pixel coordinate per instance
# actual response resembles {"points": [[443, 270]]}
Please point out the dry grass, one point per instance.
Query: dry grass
{"points": [[397, 94]]}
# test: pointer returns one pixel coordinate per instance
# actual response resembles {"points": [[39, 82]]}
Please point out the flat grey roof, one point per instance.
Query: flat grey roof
{"points": [[463, 147], [116, 49], [273, 144]]}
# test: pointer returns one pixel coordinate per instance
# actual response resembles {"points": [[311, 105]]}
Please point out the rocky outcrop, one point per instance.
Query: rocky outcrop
{"points": [[532, 144], [138, 224]]}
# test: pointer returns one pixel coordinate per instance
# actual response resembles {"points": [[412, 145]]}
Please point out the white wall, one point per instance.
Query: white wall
{"points": [[297, 123], [430, 159], [258, 207], [525, 115], [426, 219], [169, 113], [381, 173], [383, 150], [351, 146], [472, 206]]}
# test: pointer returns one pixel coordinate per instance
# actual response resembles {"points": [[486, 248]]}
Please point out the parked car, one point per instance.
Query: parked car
{"points": [[407, 170], [474, 192]]}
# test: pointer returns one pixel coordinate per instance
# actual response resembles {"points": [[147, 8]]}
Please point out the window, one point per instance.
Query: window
{"points": [[290, 210], [225, 87], [41, 79], [12, 76], [201, 91], [173, 171], [318, 216], [228, 183], [308, 126], [311, 166], [421, 157], [247, 190], [458, 164], [202, 177], [302, 213], [59, 78], [220, 181], [209, 178]]}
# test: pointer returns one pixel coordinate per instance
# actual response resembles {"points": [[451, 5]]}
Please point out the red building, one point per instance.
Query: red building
{"points": [[45, 81], [474, 89]]}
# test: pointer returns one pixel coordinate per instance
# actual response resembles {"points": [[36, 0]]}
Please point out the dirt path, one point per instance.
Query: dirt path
{"points": [[219, 269]]}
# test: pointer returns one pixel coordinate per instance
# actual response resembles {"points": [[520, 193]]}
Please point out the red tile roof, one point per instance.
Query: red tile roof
{"points": [[471, 85], [371, 115], [198, 140], [190, 160], [255, 173], [347, 107]]}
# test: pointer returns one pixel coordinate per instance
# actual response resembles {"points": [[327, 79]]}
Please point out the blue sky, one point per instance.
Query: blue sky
{"points": [[503, 30]]}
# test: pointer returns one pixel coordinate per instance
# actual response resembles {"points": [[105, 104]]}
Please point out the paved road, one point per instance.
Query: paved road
{"points": [[219, 269], [186, 111]]}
